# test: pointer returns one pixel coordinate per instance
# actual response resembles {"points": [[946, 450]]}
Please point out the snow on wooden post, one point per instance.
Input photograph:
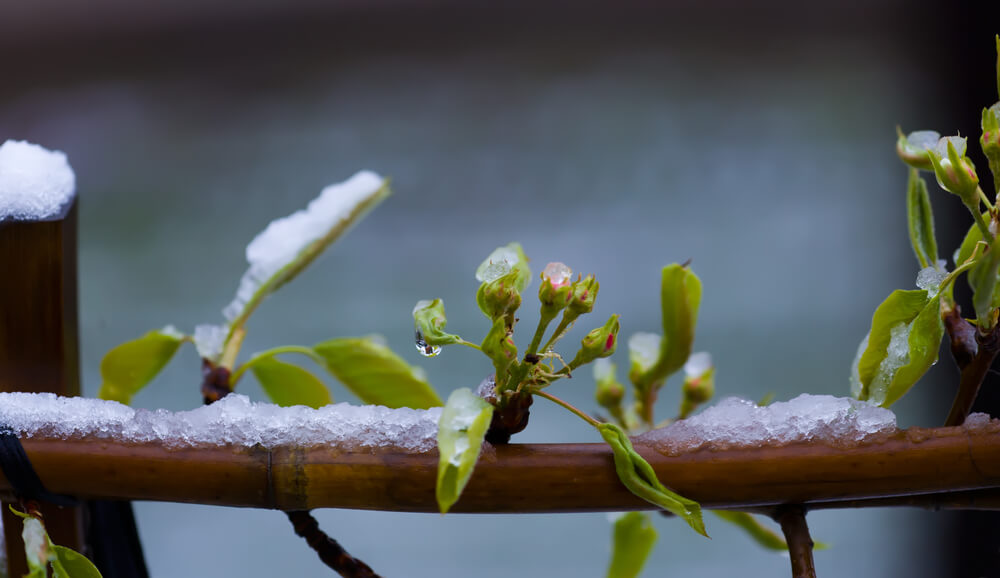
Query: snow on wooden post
{"points": [[38, 302]]}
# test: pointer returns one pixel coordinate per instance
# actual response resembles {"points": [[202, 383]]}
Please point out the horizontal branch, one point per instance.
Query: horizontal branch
{"points": [[942, 467]]}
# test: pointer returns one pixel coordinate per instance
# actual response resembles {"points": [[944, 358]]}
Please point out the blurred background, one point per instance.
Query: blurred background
{"points": [[756, 140]]}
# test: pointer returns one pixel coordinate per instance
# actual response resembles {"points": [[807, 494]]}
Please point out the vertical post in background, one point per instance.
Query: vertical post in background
{"points": [[39, 349]]}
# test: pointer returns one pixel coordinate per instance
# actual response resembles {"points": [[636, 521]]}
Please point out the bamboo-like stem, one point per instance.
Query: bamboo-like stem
{"points": [[800, 544], [925, 464]]}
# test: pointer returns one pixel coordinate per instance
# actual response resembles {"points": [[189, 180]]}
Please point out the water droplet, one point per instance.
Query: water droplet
{"points": [[425, 349]]}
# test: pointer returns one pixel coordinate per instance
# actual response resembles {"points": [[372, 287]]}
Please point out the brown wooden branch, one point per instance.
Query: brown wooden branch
{"points": [[931, 466], [800, 544], [329, 550]]}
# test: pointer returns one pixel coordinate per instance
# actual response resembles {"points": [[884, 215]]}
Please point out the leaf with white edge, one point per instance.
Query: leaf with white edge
{"points": [[129, 367], [638, 476], [634, 538], [921, 221], [461, 430], [40, 552], [287, 384], [72, 564], [288, 245], [375, 374], [899, 308], [760, 533]]}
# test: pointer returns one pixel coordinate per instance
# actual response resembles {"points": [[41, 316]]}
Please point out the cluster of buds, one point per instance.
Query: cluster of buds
{"points": [[955, 172]]}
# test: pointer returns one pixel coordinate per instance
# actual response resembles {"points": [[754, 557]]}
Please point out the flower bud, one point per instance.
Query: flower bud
{"points": [[912, 148], [582, 296], [500, 298], [609, 393], [555, 290], [699, 382], [955, 172], [600, 342]]}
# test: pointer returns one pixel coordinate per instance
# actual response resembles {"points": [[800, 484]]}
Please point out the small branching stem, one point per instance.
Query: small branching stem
{"points": [[329, 550], [800, 544]]}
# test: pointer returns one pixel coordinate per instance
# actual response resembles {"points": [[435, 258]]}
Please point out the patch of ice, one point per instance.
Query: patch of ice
{"points": [[897, 355], [923, 139], [557, 274], [739, 423], [209, 339], [283, 239], [930, 278], [35, 183], [498, 264], [233, 420]]}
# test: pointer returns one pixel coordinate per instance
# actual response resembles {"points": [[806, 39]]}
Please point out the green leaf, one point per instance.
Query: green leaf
{"points": [[71, 564], [984, 289], [265, 276], [638, 476], [921, 221], [680, 297], [634, 538], [461, 430], [375, 374], [969, 242], [760, 533], [902, 345], [430, 321], [128, 368], [288, 384], [899, 307]]}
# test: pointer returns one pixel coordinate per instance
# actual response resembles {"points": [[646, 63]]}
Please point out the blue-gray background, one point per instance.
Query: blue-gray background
{"points": [[758, 143]]}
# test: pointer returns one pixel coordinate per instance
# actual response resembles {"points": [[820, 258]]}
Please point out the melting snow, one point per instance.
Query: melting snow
{"points": [[233, 420], [735, 423], [35, 183]]}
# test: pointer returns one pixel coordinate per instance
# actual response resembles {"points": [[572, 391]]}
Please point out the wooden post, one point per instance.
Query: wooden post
{"points": [[39, 341]]}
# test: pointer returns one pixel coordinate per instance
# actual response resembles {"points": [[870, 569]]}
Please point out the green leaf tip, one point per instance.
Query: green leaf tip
{"points": [[429, 323], [461, 430], [633, 539], [638, 476], [129, 367], [764, 536], [371, 371]]}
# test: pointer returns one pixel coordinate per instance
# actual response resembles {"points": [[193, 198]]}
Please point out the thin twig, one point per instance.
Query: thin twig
{"points": [[329, 550], [800, 544]]}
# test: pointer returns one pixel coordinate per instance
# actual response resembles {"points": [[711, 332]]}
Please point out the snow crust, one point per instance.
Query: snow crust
{"points": [[284, 238], [35, 183], [233, 420], [739, 423], [930, 278]]}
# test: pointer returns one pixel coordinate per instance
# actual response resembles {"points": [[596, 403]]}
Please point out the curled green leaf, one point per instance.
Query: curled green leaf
{"points": [[634, 538], [920, 219], [129, 367], [461, 430], [41, 553], [287, 384], [680, 297], [985, 289], [430, 321], [638, 476], [375, 374]]}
